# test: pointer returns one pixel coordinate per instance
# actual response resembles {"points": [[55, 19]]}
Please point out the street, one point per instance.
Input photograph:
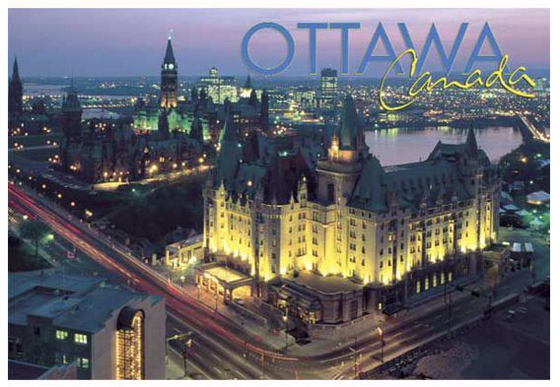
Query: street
{"points": [[222, 350]]}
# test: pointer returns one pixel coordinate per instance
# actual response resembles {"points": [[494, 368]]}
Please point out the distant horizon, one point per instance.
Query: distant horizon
{"points": [[132, 41], [542, 72]]}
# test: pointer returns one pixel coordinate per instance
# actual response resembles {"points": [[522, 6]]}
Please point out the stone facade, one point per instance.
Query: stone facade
{"points": [[397, 231], [212, 99]]}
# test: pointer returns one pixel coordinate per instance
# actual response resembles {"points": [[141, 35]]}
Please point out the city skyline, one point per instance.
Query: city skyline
{"points": [[232, 225], [126, 46]]}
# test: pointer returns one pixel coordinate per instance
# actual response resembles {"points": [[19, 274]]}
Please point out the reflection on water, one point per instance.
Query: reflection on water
{"points": [[398, 146], [41, 90], [38, 90]]}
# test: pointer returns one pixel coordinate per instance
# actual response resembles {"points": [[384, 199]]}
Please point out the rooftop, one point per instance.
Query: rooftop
{"points": [[331, 284], [69, 301], [18, 370], [225, 274]]}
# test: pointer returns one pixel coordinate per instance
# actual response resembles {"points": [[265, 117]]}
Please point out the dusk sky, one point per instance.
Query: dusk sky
{"points": [[121, 42]]}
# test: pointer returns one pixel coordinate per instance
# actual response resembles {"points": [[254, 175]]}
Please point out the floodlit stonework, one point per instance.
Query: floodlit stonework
{"points": [[396, 231]]}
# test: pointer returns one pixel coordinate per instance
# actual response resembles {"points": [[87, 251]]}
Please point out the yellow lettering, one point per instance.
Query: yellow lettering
{"points": [[425, 81]]}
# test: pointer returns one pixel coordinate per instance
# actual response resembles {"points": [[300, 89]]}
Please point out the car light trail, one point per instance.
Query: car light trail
{"points": [[146, 279]]}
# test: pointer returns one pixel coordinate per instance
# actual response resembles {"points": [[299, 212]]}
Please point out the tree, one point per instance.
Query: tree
{"points": [[35, 231]]}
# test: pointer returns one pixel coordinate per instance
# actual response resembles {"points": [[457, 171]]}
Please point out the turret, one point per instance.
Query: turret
{"points": [[253, 101], [229, 132], [248, 84], [247, 88], [469, 164], [471, 145], [71, 114], [15, 91], [348, 140]]}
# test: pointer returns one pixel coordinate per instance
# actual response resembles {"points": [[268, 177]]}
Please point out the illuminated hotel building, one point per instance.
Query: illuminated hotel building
{"points": [[109, 332], [334, 239]]}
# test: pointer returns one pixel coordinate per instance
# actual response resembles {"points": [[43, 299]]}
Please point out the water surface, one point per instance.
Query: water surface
{"points": [[399, 146]]}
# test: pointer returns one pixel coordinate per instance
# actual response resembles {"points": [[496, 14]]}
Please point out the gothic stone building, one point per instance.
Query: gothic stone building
{"points": [[110, 151], [26, 120], [342, 236], [248, 112]]}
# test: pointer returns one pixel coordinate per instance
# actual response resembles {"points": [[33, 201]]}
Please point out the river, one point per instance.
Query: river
{"points": [[399, 146]]}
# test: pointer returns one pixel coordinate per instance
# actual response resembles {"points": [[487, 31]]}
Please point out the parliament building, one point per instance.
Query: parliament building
{"points": [[101, 151], [328, 235], [210, 101]]}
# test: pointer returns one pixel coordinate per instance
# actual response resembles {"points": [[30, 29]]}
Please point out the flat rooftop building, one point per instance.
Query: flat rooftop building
{"points": [[111, 332]]}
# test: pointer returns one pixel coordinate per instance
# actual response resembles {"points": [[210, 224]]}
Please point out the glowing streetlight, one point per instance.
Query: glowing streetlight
{"points": [[380, 333], [285, 319]]}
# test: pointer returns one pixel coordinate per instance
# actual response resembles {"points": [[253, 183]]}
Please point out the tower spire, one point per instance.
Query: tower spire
{"points": [[169, 56], [72, 88], [348, 140], [15, 91], [472, 146], [248, 84], [169, 78], [15, 70], [228, 133]]}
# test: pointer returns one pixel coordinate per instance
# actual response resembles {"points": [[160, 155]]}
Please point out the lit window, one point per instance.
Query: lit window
{"points": [[80, 338], [61, 335], [61, 358], [83, 362]]}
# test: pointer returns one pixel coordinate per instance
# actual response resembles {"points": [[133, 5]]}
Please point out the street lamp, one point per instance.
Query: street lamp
{"points": [[354, 351], [187, 345], [380, 333], [285, 318]]}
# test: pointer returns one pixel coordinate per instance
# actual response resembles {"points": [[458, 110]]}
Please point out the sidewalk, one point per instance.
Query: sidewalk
{"points": [[274, 340], [374, 366], [174, 372], [512, 282]]}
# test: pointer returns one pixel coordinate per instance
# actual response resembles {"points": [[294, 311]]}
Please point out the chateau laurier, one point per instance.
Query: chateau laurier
{"points": [[333, 235]]}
